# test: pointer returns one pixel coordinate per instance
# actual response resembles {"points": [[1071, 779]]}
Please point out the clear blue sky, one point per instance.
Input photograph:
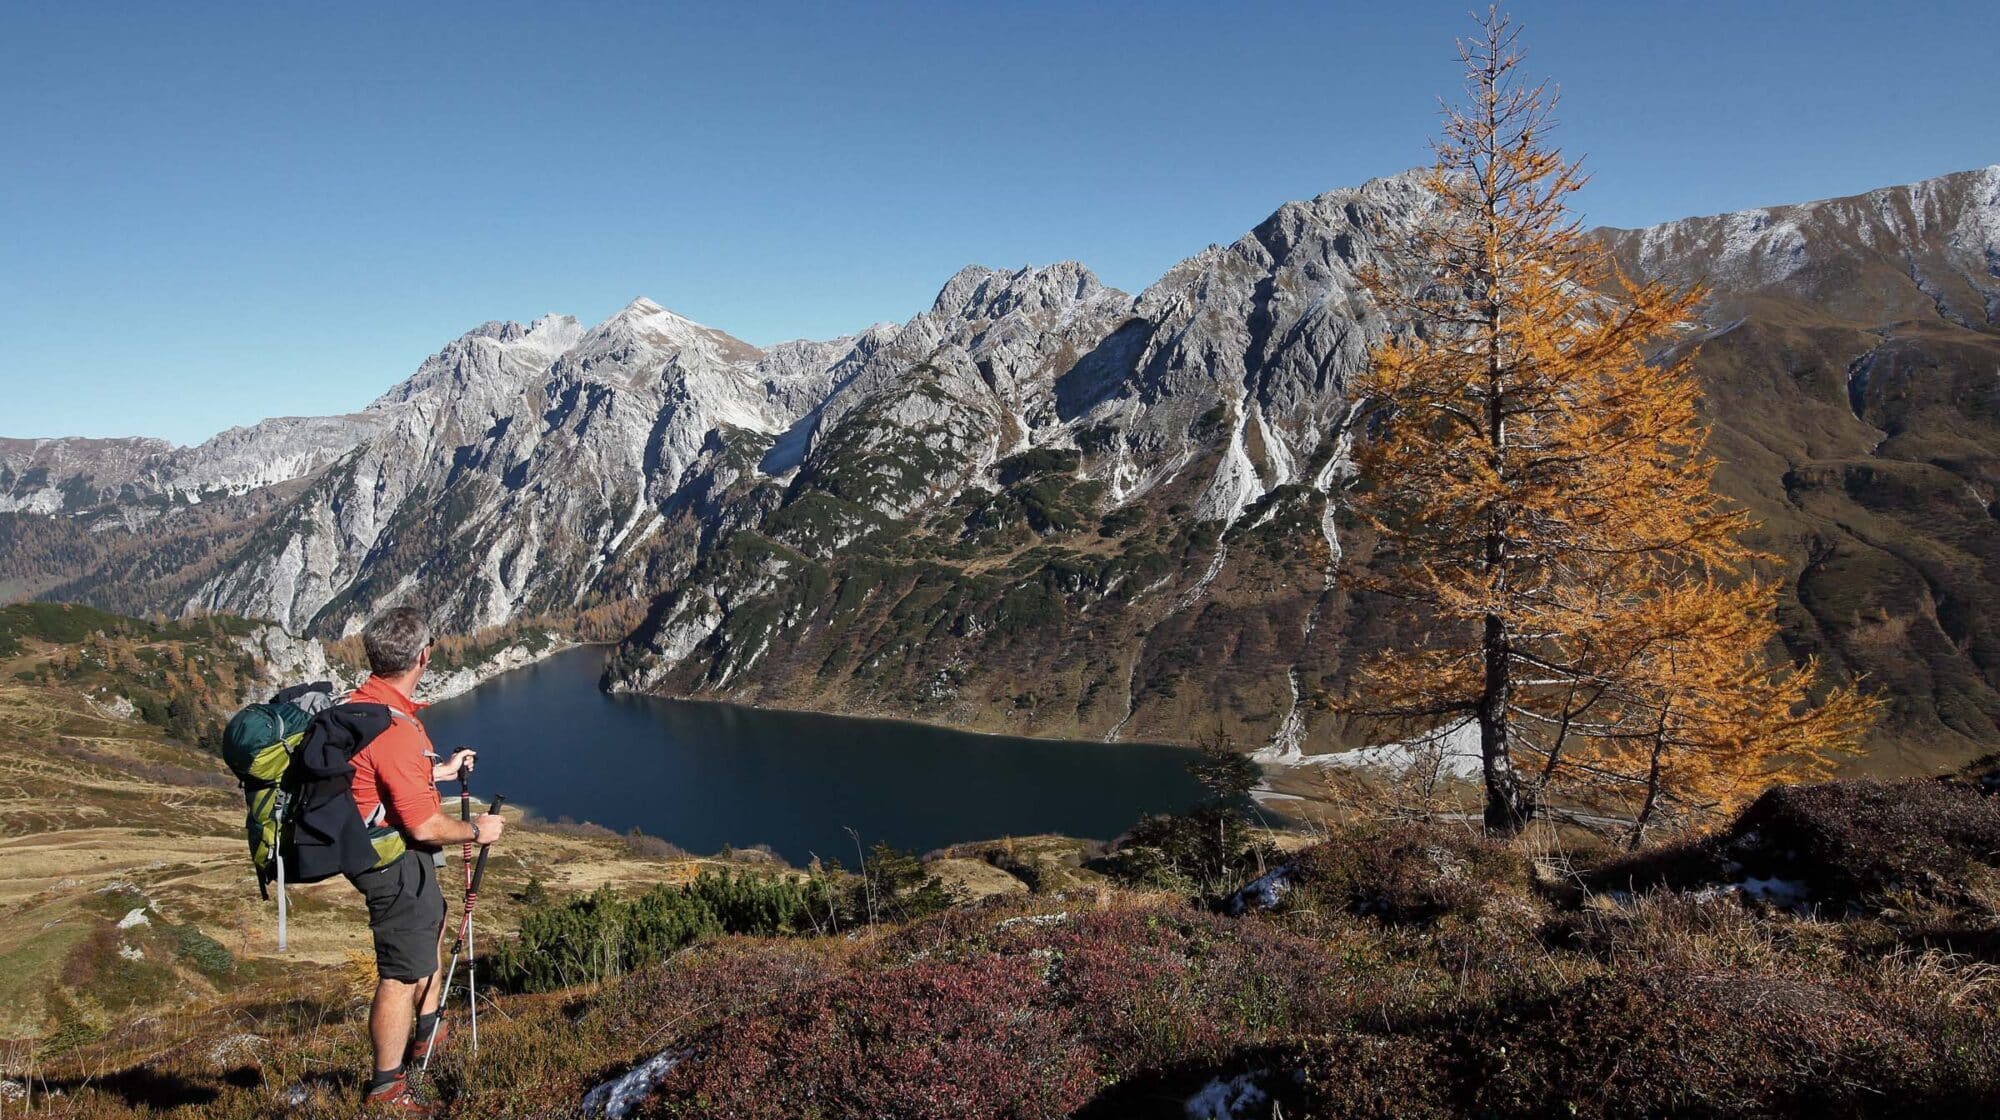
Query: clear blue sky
{"points": [[212, 214]]}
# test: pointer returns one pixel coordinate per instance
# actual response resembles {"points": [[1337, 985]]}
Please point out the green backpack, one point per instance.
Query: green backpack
{"points": [[258, 746]]}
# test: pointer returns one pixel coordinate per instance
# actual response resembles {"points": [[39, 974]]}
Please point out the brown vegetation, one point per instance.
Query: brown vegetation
{"points": [[1409, 971]]}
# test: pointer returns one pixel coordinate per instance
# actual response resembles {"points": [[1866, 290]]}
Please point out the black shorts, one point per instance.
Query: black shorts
{"points": [[406, 915]]}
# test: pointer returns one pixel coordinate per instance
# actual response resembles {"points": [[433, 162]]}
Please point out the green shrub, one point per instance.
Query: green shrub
{"points": [[204, 953], [1209, 850], [602, 935]]}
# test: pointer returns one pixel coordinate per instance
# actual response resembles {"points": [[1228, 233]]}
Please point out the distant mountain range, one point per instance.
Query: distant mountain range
{"points": [[1047, 506]]}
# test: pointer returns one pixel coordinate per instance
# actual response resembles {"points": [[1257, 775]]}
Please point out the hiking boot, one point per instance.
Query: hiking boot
{"points": [[424, 1045], [396, 1099]]}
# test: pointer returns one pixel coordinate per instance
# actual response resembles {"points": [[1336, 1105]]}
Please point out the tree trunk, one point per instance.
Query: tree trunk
{"points": [[1507, 805], [1652, 801], [1507, 808]]}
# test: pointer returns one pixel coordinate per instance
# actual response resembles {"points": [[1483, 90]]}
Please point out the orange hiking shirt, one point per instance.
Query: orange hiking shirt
{"points": [[392, 774]]}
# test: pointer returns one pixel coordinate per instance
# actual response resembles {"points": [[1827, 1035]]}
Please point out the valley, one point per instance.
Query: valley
{"points": [[1046, 507]]}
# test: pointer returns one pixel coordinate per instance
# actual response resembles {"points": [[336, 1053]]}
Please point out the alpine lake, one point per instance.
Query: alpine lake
{"points": [[705, 776]]}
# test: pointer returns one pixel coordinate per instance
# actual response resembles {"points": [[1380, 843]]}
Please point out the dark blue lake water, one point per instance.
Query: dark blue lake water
{"points": [[706, 776]]}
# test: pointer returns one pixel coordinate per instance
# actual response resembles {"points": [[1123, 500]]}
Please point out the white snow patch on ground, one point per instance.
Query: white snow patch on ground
{"points": [[1284, 744], [1055, 919], [1778, 892], [615, 1100], [135, 918], [1263, 892], [1226, 1099], [1453, 749]]}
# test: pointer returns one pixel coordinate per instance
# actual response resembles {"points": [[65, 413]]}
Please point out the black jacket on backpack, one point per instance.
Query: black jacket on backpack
{"points": [[328, 837]]}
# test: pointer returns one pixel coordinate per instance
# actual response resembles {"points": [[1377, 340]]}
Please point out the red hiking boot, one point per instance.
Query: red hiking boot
{"points": [[423, 1046], [396, 1099]]}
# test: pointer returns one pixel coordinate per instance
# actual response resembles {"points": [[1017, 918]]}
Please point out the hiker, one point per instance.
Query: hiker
{"points": [[395, 785]]}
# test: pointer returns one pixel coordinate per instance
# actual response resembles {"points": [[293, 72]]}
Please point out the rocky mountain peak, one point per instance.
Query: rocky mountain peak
{"points": [[644, 322], [554, 466], [1924, 249], [488, 363], [977, 293]]}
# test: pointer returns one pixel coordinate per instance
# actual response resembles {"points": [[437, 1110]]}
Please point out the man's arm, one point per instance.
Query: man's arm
{"points": [[440, 829], [451, 768]]}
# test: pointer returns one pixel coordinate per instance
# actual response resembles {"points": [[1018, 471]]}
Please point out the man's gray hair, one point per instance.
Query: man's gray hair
{"points": [[395, 639]]}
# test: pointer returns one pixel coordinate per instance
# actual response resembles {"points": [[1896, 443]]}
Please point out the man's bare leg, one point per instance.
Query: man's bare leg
{"points": [[397, 1005], [390, 1018], [433, 993]]}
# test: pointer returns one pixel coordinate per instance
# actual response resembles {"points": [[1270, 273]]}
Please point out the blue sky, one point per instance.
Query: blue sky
{"points": [[212, 214]]}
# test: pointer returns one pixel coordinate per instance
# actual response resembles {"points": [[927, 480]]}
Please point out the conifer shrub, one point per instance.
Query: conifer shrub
{"points": [[603, 935], [207, 955], [1210, 849], [893, 886]]}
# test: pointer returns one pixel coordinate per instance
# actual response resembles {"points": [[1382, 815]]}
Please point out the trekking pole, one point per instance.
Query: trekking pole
{"points": [[278, 858], [471, 958], [465, 927], [461, 942]]}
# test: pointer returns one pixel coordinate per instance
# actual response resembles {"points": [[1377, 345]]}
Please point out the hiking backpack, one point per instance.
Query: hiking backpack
{"points": [[258, 746], [294, 765]]}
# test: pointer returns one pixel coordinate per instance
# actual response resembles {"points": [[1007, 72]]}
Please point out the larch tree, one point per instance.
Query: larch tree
{"points": [[1536, 474]]}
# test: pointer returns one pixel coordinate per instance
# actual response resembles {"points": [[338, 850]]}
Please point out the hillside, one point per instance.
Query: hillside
{"points": [[1830, 955], [1849, 377], [1830, 952], [125, 885], [1049, 507]]}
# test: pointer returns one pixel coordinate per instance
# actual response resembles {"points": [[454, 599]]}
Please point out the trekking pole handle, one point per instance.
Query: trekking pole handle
{"points": [[479, 869]]}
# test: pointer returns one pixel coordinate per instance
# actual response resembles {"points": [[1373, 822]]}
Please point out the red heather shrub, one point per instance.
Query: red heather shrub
{"points": [[968, 1039], [738, 976], [1156, 987], [1852, 845], [979, 1014], [1345, 1075]]}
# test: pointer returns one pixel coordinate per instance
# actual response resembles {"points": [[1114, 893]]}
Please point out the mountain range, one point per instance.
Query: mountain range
{"points": [[1047, 506]]}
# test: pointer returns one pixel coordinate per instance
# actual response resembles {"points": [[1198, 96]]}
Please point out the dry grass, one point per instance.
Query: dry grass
{"points": [[1414, 970]]}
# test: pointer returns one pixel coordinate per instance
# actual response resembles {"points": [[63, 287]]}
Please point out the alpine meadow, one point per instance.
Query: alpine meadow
{"points": [[1428, 657]]}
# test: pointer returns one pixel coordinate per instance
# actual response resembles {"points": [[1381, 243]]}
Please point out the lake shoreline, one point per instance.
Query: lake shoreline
{"points": [[566, 646], [707, 774], [905, 721]]}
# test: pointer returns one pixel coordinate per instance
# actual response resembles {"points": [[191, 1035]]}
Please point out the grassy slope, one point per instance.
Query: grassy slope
{"points": [[101, 814], [1412, 972]]}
